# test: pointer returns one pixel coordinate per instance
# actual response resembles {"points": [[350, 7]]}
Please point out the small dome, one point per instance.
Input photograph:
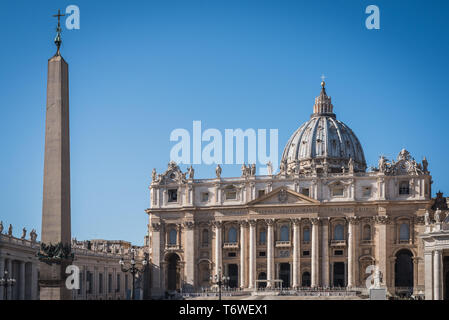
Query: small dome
{"points": [[323, 142]]}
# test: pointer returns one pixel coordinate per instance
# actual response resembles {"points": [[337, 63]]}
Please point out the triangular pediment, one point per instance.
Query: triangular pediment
{"points": [[283, 196]]}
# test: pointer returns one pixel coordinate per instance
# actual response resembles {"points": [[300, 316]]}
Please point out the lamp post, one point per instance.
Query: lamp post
{"points": [[6, 282], [133, 269], [219, 280]]}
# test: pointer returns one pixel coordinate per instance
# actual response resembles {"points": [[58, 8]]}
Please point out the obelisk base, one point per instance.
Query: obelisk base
{"points": [[52, 281]]}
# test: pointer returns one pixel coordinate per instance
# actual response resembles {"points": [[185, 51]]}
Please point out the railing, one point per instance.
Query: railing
{"points": [[367, 242], [283, 244], [338, 243], [230, 245], [172, 246]]}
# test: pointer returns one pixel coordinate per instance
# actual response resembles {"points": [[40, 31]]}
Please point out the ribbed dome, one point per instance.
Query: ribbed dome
{"points": [[323, 142]]}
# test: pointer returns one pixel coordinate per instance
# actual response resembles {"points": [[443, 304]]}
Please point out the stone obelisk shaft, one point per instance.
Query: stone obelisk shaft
{"points": [[56, 196]]}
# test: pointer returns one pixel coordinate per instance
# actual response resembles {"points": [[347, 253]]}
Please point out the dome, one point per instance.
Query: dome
{"points": [[323, 143]]}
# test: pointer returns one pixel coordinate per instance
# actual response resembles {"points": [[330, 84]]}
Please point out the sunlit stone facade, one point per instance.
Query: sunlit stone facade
{"points": [[318, 222]]}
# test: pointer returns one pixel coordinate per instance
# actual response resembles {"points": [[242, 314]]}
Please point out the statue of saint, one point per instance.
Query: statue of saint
{"points": [[382, 164], [24, 233], [154, 175], [218, 171], [437, 216], [244, 169], [424, 165], [351, 165], [191, 173], [1, 227], [10, 230], [269, 168], [253, 170], [427, 218], [33, 235]]}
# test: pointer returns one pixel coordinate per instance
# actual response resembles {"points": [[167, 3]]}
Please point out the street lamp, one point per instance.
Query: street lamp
{"points": [[6, 282], [219, 280], [133, 269]]}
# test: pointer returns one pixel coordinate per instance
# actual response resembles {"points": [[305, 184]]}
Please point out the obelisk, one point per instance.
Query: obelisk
{"points": [[55, 252]]}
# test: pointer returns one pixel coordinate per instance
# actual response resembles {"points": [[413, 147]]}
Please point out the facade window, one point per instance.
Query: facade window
{"points": [[306, 234], [80, 290], [172, 195], [232, 235], [110, 283], [404, 232], [339, 232], [366, 191], [261, 193], [263, 237], [205, 238], [305, 191], [117, 287], [284, 233], [338, 252], [100, 283], [262, 254], [172, 237], [338, 191], [126, 282], [232, 254], [205, 197], [404, 187], [89, 282], [230, 193], [306, 253], [366, 232]]}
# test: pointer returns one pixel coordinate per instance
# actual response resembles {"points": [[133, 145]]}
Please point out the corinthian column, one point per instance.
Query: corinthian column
{"points": [[243, 227], [218, 245], [252, 253], [352, 222], [437, 275], [270, 252], [315, 253], [296, 250]]}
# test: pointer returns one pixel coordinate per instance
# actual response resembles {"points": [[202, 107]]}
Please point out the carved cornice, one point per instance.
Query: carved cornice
{"points": [[156, 226], [382, 219], [189, 225], [353, 220]]}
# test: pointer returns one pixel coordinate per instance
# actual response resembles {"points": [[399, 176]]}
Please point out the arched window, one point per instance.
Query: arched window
{"points": [[172, 236], [284, 233], [366, 232], [232, 235], [306, 234], [263, 236], [339, 232], [404, 232], [404, 187], [205, 237]]}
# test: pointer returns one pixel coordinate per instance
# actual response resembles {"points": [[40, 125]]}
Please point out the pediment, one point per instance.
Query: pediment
{"points": [[283, 195]]}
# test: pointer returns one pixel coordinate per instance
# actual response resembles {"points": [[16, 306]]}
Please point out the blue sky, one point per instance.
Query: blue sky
{"points": [[140, 69]]}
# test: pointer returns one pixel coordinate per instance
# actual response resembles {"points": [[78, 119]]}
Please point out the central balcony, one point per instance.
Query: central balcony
{"points": [[230, 245], [338, 243], [172, 247], [283, 244]]}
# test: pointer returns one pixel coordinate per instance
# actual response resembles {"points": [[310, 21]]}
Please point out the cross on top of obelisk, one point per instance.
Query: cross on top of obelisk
{"points": [[58, 31]]}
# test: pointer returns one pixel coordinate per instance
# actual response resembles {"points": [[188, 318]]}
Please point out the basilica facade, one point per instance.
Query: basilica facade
{"points": [[320, 222]]}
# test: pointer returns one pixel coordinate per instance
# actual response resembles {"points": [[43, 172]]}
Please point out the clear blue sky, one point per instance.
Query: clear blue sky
{"points": [[139, 69]]}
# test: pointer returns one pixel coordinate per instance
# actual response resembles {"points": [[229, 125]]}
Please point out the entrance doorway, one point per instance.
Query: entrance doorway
{"points": [[262, 284], [446, 278], [284, 274], [233, 274], [339, 274], [305, 279], [403, 272], [173, 272]]}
